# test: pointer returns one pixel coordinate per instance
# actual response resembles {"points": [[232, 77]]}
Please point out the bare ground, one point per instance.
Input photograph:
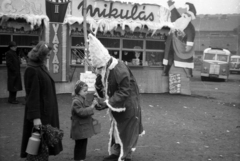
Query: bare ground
{"points": [[201, 127]]}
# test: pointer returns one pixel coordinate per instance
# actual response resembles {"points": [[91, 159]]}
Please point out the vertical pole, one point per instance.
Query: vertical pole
{"points": [[85, 33]]}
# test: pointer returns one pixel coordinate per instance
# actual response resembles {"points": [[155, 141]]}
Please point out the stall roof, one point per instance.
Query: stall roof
{"points": [[161, 15], [33, 11]]}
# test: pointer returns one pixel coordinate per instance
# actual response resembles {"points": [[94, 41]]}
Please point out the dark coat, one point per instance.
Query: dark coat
{"points": [[41, 102], [14, 82], [124, 99], [82, 126]]}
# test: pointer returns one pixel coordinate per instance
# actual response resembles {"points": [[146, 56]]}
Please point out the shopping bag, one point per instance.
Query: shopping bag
{"points": [[96, 126]]}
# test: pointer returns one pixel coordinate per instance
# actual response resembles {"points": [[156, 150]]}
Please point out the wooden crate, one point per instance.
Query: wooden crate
{"points": [[185, 81], [164, 84]]}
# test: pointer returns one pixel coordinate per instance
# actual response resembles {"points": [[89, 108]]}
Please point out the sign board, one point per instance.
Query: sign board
{"points": [[116, 10], [56, 9], [57, 62], [89, 78], [20, 7]]}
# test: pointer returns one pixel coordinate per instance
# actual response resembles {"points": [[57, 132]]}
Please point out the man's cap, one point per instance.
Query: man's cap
{"points": [[12, 44]]}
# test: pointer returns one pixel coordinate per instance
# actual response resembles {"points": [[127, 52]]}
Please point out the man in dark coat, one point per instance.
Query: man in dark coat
{"points": [[14, 82], [41, 100], [117, 85]]}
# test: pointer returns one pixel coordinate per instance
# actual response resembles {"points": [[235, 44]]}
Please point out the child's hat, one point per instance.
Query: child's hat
{"points": [[80, 84]]}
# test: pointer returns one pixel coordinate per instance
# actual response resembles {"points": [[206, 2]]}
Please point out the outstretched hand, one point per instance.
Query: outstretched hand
{"points": [[188, 48], [170, 3], [101, 105], [95, 102]]}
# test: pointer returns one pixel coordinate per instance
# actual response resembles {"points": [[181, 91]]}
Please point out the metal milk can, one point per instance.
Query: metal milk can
{"points": [[33, 144]]}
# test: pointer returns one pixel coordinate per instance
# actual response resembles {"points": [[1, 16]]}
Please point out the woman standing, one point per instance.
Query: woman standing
{"points": [[41, 101]]}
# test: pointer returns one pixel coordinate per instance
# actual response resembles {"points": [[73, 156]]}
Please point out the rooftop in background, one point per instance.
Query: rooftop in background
{"points": [[217, 22]]}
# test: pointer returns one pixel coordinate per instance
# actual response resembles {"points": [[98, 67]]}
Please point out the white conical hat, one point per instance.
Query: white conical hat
{"points": [[98, 53]]}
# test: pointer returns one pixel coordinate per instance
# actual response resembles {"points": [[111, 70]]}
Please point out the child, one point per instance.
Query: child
{"points": [[82, 127]]}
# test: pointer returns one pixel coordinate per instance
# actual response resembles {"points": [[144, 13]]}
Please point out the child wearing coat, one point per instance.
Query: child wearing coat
{"points": [[82, 127]]}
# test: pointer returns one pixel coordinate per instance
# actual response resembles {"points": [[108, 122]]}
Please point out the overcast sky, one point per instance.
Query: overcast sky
{"points": [[202, 6], [213, 6]]}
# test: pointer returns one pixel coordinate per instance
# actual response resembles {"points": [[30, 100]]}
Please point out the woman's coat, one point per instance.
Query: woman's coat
{"points": [[41, 102], [82, 126]]}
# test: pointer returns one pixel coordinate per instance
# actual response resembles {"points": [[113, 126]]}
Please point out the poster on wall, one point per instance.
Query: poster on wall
{"points": [[89, 78], [56, 36], [20, 7], [56, 9], [57, 61]]}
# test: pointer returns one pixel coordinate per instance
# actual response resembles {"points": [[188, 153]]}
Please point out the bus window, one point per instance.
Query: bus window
{"points": [[223, 58], [234, 60], [209, 56]]}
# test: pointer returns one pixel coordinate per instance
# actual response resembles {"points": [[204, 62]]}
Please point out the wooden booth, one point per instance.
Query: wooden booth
{"points": [[133, 33], [23, 22]]}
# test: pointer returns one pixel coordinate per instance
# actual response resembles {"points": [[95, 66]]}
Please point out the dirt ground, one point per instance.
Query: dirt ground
{"points": [[201, 127]]}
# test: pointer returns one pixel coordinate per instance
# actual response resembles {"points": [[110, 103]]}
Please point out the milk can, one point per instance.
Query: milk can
{"points": [[33, 144]]}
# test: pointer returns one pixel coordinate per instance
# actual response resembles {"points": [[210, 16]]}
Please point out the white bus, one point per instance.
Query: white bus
{"points": [[235, 64], [215, 64]]}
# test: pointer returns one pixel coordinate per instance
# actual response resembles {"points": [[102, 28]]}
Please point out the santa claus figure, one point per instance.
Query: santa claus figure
{"points": [[179, 49], [180, 43], [116, 84]]}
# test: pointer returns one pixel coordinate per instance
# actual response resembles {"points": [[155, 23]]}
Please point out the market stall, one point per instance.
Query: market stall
{"points": [[23, 22], [132, 32]]}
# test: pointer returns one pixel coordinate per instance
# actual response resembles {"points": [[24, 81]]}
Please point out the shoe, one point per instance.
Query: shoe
{"points": [[13, 102], [111, 158]]}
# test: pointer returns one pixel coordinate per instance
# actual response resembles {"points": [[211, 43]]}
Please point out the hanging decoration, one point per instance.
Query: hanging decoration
{"points": [[31, 10], [106, 16]]}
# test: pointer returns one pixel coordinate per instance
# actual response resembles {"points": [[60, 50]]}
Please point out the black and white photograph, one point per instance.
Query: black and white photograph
{"points": [[119, 80]]}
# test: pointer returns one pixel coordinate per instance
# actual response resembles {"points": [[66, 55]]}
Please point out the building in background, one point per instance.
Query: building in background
{"points": [[220, 31]]}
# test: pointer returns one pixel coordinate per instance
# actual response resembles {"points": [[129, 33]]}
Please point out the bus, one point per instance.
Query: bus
{"points": [[235, 64], [215, 64]]}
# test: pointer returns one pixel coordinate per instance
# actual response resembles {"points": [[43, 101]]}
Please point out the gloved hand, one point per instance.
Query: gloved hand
{"points": [[37, 123], [101, 105], [188, 48]]}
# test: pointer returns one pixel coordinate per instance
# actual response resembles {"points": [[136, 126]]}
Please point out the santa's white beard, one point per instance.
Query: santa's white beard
{"points": [[182, 22], [103, 74]]}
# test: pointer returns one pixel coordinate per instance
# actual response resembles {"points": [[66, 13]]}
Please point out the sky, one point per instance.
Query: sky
{"points": [[203, 6], [213, 6]]}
